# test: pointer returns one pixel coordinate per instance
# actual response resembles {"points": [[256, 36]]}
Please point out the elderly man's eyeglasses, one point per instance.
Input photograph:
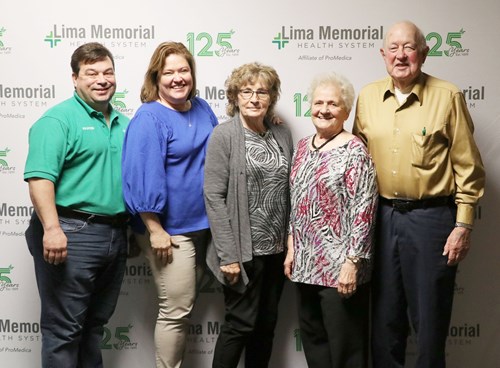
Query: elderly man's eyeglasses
{"points": [[261, 94]]}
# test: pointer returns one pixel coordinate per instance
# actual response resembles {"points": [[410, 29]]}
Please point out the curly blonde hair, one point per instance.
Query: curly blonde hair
{"points": [[248, 74]]}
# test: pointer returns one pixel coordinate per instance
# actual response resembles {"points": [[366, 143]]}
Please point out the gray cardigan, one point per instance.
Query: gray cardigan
{"points": [[226, 199]]}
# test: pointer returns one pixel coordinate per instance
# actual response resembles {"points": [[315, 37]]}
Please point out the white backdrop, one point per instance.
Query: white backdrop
{"points": [[299, 39]]}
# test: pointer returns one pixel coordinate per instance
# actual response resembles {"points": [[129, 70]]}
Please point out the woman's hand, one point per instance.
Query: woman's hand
{"points": [[231, 272], [347, 279], [161, 241], [276, 120], [161, 244], [288, 264]]}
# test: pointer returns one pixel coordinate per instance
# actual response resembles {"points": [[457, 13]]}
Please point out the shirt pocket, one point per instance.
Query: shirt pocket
{"points": [[426, 149]]}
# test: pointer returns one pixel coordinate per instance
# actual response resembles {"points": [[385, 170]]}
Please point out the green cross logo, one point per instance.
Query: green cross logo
{"points": [[278, 40], [50, 38]]}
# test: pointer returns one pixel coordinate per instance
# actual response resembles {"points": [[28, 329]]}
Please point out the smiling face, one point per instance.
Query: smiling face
{"points": [[255, 108], [402, 54], [328, 110], [175, 82], [96, 84]]}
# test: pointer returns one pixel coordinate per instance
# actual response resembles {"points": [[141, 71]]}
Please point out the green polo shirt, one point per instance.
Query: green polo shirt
{"points": [[72, 146]]}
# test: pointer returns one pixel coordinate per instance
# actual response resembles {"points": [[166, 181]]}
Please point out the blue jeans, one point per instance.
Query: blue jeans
{"points": [[78, 296]]}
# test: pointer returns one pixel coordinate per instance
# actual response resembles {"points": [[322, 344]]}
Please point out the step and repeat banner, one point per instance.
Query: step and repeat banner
{"points": [[299, 39]]}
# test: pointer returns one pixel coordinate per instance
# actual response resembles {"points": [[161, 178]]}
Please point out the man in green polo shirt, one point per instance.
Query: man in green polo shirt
{"points": [[77, 235]]}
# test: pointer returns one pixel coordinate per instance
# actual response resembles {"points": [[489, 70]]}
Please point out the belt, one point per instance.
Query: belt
{"points": [[405, 205], [119, 220]]}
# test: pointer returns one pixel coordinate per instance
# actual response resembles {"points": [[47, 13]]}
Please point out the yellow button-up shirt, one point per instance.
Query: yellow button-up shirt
{"points": [[425, 147]]}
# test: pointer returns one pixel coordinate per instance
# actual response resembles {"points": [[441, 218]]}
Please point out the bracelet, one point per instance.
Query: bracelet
{"points": [[462, 224], [355, 260]]}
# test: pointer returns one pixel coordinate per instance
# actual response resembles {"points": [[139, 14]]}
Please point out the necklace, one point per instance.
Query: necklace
{"points": [[324, 143]]}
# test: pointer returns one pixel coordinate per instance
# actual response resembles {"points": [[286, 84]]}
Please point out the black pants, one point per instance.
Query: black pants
{"points": [[334, 330], [411, 277], [251, 317]]}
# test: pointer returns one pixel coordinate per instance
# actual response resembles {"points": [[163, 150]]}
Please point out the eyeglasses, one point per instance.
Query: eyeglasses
{"points": [[261, 94]]}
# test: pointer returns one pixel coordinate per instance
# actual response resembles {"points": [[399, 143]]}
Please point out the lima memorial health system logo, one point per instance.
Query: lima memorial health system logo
{"points": [[132, 37], [448, 44], [328, 37]]}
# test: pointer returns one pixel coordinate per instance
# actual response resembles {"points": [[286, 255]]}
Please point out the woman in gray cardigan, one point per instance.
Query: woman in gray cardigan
{"points": [[247, 199]]}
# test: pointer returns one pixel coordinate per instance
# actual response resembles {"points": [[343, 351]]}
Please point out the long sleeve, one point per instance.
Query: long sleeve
{"points": [[216, 186], [143, 165], [468, 168], [362, 203]]}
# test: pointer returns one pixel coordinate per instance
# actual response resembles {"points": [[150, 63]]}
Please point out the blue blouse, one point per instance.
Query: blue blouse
{"points": [[163, 162]]}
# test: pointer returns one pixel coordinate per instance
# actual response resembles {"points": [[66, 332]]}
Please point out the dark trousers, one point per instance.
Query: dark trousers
{"points": [[78, 296], [412, 282], [334, 330], [250, 318]]}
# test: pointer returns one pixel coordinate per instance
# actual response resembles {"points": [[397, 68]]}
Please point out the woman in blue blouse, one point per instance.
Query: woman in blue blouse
{"points": [[163, 164]]}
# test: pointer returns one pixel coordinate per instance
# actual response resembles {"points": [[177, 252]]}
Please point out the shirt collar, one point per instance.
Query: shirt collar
{"points": [[92, 112], [417, 89]]}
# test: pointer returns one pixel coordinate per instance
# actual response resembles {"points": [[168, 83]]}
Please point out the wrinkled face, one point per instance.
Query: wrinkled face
{"points": [[253, 100], [402, 58], [327, 109], [176, 81], [96, 83]]}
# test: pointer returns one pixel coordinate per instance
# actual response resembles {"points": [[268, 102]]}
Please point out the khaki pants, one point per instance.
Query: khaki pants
{"points": [[176, 284]]}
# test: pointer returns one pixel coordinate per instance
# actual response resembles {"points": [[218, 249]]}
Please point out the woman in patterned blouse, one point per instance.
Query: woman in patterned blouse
{"points": [[247, 172], [334, 199]]}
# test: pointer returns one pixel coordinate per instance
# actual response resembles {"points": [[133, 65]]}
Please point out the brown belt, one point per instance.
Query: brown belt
{"points": [[405, 205], [119, 220]]}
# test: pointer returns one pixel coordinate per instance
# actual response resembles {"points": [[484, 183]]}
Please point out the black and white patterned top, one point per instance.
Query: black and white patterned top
{"points": [[267, 187]]}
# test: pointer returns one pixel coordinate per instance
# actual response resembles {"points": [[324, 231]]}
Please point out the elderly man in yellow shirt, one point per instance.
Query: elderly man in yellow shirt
{"points": [[430, 176]]}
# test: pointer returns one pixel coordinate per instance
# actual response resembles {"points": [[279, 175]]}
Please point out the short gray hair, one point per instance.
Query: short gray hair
{"points": [[338, 80], [419, 36]]}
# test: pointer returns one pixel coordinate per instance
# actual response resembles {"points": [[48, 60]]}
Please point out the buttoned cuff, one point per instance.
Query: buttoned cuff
{"points": [[465, 214]]}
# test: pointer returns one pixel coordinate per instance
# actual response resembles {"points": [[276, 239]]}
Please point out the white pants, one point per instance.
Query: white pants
{"points": [[176, 285]]}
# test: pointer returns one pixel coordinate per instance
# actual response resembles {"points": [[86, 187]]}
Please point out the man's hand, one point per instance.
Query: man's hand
{"points": [[457, 245], [55, 248]]}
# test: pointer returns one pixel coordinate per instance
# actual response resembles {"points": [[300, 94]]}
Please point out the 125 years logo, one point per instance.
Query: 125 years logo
{"points": [[119, 340], [207, 45], [6, 283], [450, 45], [3, 48], [4, 166]]}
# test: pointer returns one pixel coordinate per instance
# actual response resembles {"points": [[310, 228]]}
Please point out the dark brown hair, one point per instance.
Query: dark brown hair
{"points": [[89, 53]]}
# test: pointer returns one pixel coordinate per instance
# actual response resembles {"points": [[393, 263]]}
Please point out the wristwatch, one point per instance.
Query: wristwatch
{"points": [[463, 224]]}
